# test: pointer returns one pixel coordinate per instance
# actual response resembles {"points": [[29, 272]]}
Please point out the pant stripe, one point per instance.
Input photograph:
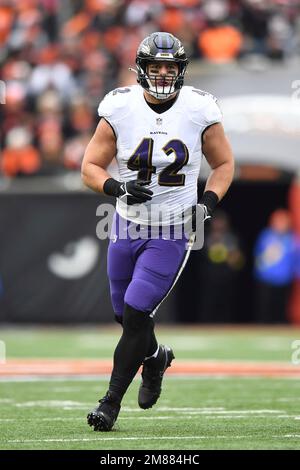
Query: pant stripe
{"points": [[178, 274]]}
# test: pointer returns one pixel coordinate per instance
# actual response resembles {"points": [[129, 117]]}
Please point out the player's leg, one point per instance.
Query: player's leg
{"points": [[130, 352], [131, 349], [120, 266], [138, 329], [157, 268], [137, 334], [128, 356], [120, 269], [153, 346], [156, 271]]}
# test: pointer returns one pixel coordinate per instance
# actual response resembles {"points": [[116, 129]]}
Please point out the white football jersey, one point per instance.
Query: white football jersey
{"points": [[162, 149]]}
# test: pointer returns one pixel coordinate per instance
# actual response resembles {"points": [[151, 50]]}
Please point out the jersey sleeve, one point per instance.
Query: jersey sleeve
{"points": [[106, 108], [203, 108], [211, 112], [114, 106]]}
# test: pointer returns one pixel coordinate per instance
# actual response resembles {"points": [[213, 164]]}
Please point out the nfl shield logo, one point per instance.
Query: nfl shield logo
{"points": [[159, 121]]}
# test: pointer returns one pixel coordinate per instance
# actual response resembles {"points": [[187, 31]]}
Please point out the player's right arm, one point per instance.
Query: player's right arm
{"points": [[98, 155]]}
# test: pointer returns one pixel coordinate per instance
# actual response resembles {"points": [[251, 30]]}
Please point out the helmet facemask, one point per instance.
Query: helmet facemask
{"points": [[159, 86], [157, 48]]}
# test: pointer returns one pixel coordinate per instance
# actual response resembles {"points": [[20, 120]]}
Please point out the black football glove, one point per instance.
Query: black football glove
{"points": [[132, 192], [205, 214], [204, 208]]}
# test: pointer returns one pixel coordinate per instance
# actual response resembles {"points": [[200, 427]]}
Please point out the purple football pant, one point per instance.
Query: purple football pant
{"points": [[142, 272]]}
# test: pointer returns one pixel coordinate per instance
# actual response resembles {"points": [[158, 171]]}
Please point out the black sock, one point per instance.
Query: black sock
{"points": [[153, 345], [131, 349], [153, 341]]}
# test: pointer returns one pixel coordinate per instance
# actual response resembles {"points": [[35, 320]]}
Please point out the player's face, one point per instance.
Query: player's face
{"points": [[162, 74]]}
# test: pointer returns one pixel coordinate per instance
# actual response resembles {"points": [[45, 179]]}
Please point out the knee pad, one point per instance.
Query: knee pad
{"points": [[143, 295], [117, 301], [135, 321]]}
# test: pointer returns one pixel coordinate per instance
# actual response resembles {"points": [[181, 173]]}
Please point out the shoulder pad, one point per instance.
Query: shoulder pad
{"points": [[116, 104], [202, 107]]}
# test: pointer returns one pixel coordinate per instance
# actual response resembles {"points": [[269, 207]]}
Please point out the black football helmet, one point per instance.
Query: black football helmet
{"points": [[160, 47]]}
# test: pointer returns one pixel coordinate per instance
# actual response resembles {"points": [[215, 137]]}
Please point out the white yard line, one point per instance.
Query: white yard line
{"points": [[55, 378], [143, 418], [141, 438], [68, 405], [105, 377]]}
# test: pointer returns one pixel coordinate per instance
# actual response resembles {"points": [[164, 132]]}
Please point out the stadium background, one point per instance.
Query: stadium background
{"points": [[58, 59], [234, 386]]}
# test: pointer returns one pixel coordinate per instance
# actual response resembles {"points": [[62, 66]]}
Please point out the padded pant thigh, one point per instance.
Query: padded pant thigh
{"points": [[154, 274], [144, 295], [119, 269]]}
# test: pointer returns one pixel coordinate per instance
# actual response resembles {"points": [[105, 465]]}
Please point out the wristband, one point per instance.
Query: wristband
{"points": [[111, 187], [210, 200]]}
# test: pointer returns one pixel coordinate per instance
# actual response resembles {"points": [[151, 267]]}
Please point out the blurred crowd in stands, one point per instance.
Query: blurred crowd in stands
{"points": [[271, 295], [60, 57]]}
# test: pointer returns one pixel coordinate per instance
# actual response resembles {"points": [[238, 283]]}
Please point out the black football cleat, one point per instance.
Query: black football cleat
{"points": [[105, 415], [152, 375]]}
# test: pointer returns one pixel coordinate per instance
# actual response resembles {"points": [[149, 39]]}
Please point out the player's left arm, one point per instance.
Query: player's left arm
{"points": [[218, 153]]}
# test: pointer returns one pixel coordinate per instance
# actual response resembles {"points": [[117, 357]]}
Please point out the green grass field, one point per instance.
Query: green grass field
{"points": [[219, 412]]}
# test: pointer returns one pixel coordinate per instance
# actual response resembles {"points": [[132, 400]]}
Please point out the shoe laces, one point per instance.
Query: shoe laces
{"points": [[106, 399]]}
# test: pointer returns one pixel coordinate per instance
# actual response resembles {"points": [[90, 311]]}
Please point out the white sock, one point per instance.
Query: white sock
{"points": [[153, 355]]}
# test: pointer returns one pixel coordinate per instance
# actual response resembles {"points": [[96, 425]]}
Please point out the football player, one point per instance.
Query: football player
{"points": [[158, 131]]}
